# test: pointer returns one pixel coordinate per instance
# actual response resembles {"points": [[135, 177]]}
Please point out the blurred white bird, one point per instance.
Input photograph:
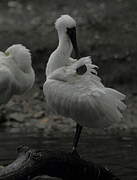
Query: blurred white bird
{"points": [[74, 90], [16, 72]]}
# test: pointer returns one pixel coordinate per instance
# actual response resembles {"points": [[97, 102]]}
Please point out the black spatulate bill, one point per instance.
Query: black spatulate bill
{"points": [[73, 37]]}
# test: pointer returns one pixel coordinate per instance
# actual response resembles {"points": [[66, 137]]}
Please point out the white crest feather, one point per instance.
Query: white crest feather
{"points": [[65, 21]]}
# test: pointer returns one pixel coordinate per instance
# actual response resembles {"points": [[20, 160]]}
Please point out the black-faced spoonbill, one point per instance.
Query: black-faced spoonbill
{"points": [[74, 90], [16, 72]]}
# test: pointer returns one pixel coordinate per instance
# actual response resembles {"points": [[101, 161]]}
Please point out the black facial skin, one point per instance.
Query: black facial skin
{"points": [[72, 35]]}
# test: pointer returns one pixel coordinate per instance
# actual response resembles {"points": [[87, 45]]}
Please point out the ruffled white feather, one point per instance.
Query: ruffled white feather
{"points": [[83, 97]]}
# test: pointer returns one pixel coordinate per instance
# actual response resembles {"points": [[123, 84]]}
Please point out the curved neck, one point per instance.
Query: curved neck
{"points": [[65, 44], [60, 56]]}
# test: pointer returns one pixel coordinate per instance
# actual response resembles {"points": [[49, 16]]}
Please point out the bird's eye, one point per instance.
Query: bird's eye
{"points": [[71, 30]]}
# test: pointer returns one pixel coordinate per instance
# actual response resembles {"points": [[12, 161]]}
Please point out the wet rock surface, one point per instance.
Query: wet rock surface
{"points": [[46, 178]]}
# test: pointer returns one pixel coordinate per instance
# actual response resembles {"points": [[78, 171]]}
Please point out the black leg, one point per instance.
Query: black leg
{"points": [[76, 137]]}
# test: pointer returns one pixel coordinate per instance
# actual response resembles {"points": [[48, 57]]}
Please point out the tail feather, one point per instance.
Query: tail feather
{"points": [[115, 102], [110, 103], [115, 93]]}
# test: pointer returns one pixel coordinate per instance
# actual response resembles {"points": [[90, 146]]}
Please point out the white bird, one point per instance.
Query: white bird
{"points": [[16, 72], [74, 90]]}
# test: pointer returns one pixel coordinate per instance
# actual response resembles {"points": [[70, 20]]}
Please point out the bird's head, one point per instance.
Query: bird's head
{"points": [[21, 56], [67, 25]]}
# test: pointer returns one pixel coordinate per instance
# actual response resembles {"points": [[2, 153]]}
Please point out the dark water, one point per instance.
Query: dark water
{"points": [[119, 154]]}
